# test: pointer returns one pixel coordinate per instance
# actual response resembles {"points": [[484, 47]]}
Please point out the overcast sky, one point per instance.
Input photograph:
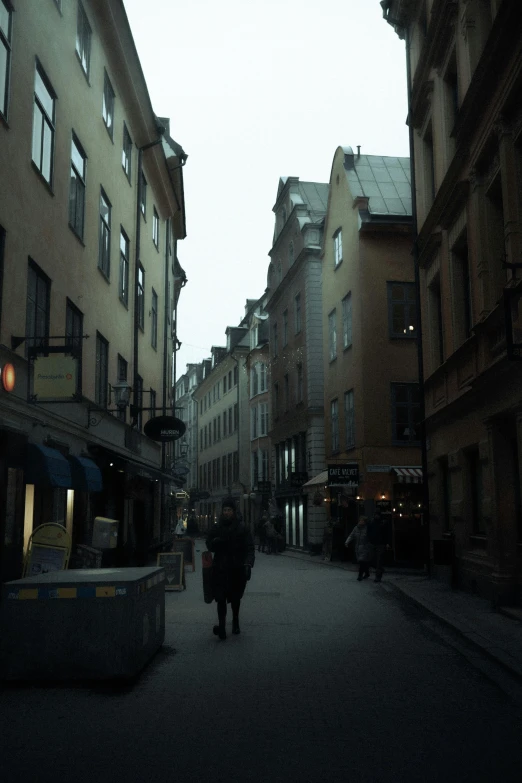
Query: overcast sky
{"points": [[255, 91]]}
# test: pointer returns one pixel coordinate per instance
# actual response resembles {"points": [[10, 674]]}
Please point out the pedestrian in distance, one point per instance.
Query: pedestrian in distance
{"points": [[180, 529], [271, 537], [261, 532], [380, 536], [234, 556], [363, 547]]}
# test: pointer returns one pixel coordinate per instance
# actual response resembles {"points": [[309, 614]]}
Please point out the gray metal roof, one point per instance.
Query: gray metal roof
{"points": [[386, 182], [315, 196]]}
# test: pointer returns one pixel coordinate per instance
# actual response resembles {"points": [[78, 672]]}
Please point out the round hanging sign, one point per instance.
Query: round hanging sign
{"points": [[164, 428]]}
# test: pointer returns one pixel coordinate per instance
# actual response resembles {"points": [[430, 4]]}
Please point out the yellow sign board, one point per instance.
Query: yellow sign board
{"points": [[55, 377]]}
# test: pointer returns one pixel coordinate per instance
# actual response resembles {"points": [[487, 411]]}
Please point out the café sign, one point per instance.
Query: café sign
{"points": [[347, 474], [164, 429]]}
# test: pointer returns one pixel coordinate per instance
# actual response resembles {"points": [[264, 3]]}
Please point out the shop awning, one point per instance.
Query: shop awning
{"points": [[321, 478], [408, 475], [86, 475], [47, 467]]}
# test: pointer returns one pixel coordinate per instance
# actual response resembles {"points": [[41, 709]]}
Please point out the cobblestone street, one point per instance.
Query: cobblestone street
{"points": [[329, 679]]}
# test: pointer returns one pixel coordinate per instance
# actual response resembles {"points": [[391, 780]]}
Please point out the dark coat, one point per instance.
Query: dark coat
{"points": [[379, 531], [233, 549]]}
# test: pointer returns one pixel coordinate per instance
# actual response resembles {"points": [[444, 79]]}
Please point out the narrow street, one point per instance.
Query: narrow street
{"points": [[330, 679]]}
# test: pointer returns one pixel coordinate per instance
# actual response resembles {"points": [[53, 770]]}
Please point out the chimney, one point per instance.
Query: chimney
{"points": [[358, 151]]}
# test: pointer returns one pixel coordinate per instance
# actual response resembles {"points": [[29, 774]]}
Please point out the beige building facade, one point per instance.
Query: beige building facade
{"points": [[465, 88], [371, 396], [91, 208]]}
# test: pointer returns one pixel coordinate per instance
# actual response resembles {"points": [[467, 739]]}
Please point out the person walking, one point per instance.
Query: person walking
{"points": [[180, 529], [261, 532], [271, 537], [234, 557], [379, 536], [363, 547]]}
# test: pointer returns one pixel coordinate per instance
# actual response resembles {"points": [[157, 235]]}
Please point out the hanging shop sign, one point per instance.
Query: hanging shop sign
{"points": [[164, 429], [8, 376], [55, 377], [347, 475]]}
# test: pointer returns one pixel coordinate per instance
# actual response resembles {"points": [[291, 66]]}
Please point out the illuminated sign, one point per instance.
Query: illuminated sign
{"points": [[8, 377]]}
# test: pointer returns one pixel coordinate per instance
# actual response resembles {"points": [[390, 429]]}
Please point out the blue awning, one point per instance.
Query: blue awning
{"points": [[86, 475], [46, 467]]}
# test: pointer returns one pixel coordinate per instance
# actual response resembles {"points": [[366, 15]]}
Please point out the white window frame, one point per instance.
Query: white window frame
{"points": [[332, 335], [338, 247], [83, 40]]}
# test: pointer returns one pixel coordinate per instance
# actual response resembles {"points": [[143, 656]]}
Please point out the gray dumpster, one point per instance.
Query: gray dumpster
{"points": [[81, 624]]}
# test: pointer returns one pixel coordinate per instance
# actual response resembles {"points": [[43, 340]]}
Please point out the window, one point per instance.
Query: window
{"points": [[108, 105], [349, 419], [285, 328], [462, 308], [77, 188], [276, 400], [253, 422], [224, 471], [154, 324], [338, 247], [83, 39], [299, 389], [297, 313], [143, 195], [5, 54], [126, 154], [230, 425], [155, 227], [347, 321], [102, 371], [402, 310], [73, 336], [236, 466], [124, 267], [104, 260], [225, 433], [230, 380], [263, 459], [274, 340], [405, 413], [254, 382], [254, 470], [38, 307], [225, 385], [122, 368], [43, 125], [141, 297], [236, 417], [219, 427], [287, 391], [262, 377], [263, 419], [334, 414], [332, 335]]}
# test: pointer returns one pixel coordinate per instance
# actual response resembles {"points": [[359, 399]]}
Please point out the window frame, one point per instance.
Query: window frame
{"points": [[154, 320], [408, 305], [79, 187], [108, 103], [143, 205], [83, 39], [410, 405], [104, 251], [44, 119], [334, 425], [141, 297], [5, 41], [101, 388], [332, 335], [155, 228], [347, 319], [338, 247], [126, 154], [124, 267], [349, 419], [32, 339]]}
